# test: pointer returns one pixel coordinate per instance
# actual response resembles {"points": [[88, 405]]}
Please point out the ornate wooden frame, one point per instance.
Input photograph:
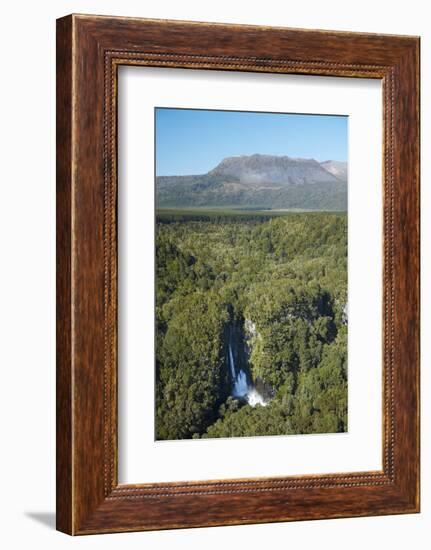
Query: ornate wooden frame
{"points": [[89, 51]]}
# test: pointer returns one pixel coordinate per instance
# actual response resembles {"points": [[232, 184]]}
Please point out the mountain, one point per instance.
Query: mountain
{"points": [[272, 169], [264, 181]]}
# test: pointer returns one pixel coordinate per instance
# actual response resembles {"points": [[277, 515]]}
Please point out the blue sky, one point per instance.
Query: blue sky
{"points": [[192, 141]]}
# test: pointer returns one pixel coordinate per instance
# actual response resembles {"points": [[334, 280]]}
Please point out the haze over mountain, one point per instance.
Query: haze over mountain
{"points": [[336, 168], [260, 181]]}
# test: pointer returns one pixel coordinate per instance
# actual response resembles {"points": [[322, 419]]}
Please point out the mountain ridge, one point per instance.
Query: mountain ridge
{"points": [[268, 181]]}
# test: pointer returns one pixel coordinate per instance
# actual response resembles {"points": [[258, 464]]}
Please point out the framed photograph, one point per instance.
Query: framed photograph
{"points": [[237, 274]]}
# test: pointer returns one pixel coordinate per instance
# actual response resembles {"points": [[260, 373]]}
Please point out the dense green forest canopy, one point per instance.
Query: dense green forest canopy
{"points": [[276, 282]]}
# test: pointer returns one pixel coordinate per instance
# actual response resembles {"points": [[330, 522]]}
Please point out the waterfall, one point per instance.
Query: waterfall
{"points": [[232, 364], [241, 388]]}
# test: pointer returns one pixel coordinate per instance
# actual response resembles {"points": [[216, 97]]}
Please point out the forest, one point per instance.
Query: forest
{"points": [[251, 323]]}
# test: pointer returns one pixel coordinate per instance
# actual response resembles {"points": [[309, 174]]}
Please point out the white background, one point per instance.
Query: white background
{"points": [[141, 458], [27, 122]]}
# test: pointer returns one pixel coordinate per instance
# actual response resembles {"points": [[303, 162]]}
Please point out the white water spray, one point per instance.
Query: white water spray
{"points": [[241, 387], [254, 398]]}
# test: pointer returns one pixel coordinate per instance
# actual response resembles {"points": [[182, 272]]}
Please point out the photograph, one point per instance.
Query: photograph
{"points": [[216, 282], [251, 258]]}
